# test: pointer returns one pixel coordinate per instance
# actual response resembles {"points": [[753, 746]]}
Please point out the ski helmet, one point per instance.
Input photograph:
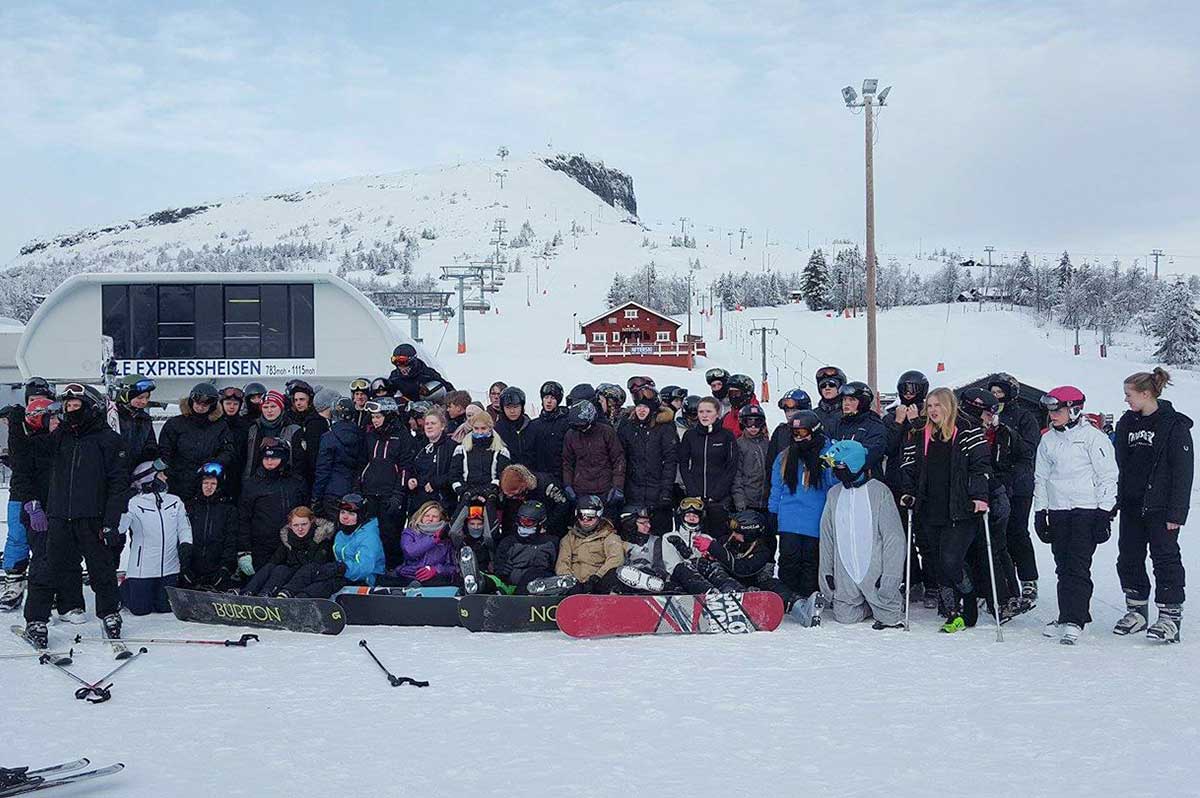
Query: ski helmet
{"points": [[832, 375], [134, 385], [715, 375], [434, 390], [294, 387], [691, 407], [512, 395], [419, 408], [977, 401], [648, 396], [1065, 396], [38, 386], [353, 503], [752, 416], [381, 387], [583, 392], [805, 420], [581, 415], [749, 524], [36, 410], [739, 389], [146, 473], [211, 471], [551, 388], [403, 355], [86, 394], [253, 389], [913, 382], [589, 507], [530, 517], [795, 399], [613, 393], [274, 447], [690, 504], [204, 392], [633, 383], [1008, 385], [232, 392], [345, 410], [360, 384], [629, 523], [667, 393], [385, 405], [860, 391]]}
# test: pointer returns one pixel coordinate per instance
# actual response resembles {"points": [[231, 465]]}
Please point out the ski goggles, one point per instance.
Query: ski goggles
{"points": [[72, 390], [400, 360], [753, 421], [360, 384], [827, 373], [379, 407], [1051, 403], [588, 513], [232, 393], [715, 375], [691, 504], [351, 503], [211, 470], [141, 387], [789, 404], [526, 521]]}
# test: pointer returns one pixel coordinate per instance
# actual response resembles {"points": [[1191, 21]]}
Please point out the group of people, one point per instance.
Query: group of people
{"points": [[408, 481]]}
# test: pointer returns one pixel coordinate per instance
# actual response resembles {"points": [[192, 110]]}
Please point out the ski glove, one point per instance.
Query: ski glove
{"points": [[113, 538], [246, 564], [570, 492], [555, 494], [185, 556], [1041, 525], [425, 573], [36, 514], [680, 546], [1101, 526], [702, 543]]}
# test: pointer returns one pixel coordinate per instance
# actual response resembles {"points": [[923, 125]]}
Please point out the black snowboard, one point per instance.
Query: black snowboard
{"points": [[509, 613], [316, 616], [380, 609]]}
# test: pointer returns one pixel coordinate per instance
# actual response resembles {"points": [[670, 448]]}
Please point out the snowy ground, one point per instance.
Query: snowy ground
{"points": [[842, 711]]}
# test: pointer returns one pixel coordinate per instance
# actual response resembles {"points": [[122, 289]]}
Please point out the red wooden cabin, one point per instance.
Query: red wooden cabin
{"points": [[633, 333]]}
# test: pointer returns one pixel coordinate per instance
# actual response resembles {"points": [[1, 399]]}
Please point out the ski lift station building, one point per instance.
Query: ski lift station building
{"points": [[228, 328]]}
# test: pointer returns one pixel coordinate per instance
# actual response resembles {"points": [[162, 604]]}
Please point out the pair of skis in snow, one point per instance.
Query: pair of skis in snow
{"points": [[23, 780]]}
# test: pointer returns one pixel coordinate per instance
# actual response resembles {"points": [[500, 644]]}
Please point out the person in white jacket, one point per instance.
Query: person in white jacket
{"points": [[160, 541], [1074, 492]]}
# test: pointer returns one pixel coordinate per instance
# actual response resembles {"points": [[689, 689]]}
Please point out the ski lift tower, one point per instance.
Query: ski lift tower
{"points": [[414, 304], [462, 274]]}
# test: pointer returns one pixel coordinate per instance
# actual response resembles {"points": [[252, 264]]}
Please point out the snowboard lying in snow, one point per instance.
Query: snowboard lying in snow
{"points": [[382, 609], [315, 616], [714, 613], [493, 613]]}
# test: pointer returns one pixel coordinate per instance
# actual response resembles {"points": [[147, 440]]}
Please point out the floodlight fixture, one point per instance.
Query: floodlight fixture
{"points": [[869, 85], [883, 95], [849, 95]]}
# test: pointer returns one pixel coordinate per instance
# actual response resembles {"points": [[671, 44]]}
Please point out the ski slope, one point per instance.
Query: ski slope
{"points": [[835, 710]]}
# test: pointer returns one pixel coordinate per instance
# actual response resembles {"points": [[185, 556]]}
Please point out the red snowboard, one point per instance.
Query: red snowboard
{"points": [[610, 616]]}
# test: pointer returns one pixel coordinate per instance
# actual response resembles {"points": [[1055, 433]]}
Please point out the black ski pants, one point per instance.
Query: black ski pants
{"points": [[1006, 584], [1020, 545], [1073, 546], [1136, 533], [926, 541], [316, 580], [69, 593], [66, 541], [954, 540], [799, 562], [267, 581]]}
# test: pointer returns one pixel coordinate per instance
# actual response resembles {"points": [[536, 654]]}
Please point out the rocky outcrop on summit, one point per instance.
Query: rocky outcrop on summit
{"points": [[611, 185]]}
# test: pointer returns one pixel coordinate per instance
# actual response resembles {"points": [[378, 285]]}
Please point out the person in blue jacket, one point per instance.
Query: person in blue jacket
{"points": [[339, 460], [800, 479], [357, 555]]}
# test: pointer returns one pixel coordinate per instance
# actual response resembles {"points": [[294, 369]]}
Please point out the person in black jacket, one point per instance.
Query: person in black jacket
{"points": [[312, 426], [830, 380], [1007, 389], [707, 460], [478, 462], [1155, 461], [267, 498], [198, 435], [214, 520], [271, 422], [648, 437], [945, 475], [546, 433], [513, 425], [304, 540], [529, 554], [429, 478], [233, 403], [387, 456], [339, 461], [89, 481], [899, 420], [133, 422], [860, 422], [413, 378]]}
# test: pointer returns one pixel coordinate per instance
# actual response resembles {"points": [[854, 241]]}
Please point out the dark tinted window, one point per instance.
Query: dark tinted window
{"points": [[241, 321], [303, 337], [210, 321], [176, 321], [114, 305], [273, 312], [143, 319]]}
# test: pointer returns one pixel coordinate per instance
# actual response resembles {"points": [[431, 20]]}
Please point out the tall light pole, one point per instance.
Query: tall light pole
{"points": [[868, 103], [987, 286]]}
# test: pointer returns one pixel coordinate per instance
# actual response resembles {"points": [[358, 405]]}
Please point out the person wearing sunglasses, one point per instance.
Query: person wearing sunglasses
{"points": [[160, 541], [412, 377], [751, 481], [830, 380], [267, 497], [214, 521], [388, 461], [133, 421], [198, 435], [88, 490]]}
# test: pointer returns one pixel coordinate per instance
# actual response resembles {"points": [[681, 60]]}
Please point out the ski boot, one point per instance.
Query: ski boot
{"points": [[14, 777], [807, 611], [879, 626], [1135, 620], [551, 585], [75, 616], [36, 634], [13, 594], [1166, 628], [469, 569], [1070, 634], [1052, 629], [1029, 595], [954, 623], [640, 580], [112, 626]]}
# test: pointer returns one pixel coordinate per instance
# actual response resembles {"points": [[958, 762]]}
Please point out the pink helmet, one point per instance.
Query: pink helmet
{"points": [[1065, 396]]}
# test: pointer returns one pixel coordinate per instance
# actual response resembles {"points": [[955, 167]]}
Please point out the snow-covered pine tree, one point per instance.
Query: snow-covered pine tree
{"points": [[616, 291], [816, 281], [1177, 327]]}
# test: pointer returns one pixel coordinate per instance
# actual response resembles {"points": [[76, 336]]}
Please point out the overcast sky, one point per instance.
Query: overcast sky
{"points": [[1031, 125]]}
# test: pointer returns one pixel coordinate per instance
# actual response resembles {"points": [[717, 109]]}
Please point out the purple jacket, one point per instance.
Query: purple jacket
{"points": [[421, 550]]}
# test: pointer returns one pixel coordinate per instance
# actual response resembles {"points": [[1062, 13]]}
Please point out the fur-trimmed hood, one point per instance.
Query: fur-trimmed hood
{"points": [[323, 530], [516, 479], [214, 415]]}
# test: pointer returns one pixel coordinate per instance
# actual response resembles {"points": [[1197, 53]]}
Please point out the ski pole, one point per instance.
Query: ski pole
{"points": [[95, 692], [396, 681], [987, 534], [239, 643], [61, 657], [908, 571]]}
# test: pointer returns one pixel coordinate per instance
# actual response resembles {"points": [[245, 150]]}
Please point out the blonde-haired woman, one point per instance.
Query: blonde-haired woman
{"points": [[945, 474]]}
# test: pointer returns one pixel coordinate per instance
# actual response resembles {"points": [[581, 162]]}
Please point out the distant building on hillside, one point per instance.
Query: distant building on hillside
{"points": [[993, 293], [633, 333]]}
